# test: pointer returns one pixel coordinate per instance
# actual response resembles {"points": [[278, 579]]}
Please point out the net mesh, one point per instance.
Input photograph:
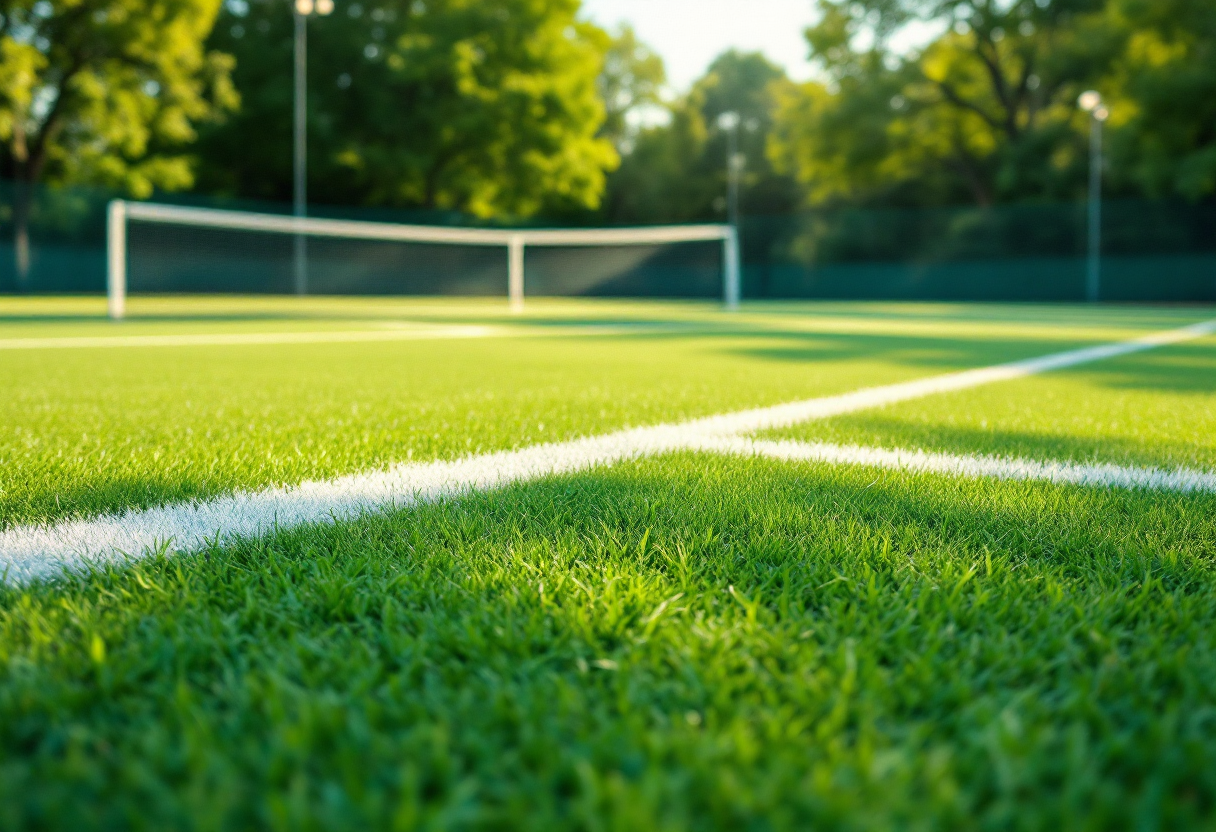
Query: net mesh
{"points": [[178, 258], [165, 257]]}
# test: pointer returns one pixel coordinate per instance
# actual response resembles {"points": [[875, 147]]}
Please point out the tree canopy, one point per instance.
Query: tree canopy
{"points": [[106, 92], [986, 111], [676, 171], [488, 108], [518, 108]]}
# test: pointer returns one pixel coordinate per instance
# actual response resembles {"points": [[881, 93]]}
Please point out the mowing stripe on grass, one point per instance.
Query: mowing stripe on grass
{"points": [[1183, 480], [30, 552]]}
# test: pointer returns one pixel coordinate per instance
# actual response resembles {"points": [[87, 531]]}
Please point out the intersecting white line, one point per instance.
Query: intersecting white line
{"points": [[1100, 475], [31, 552]]}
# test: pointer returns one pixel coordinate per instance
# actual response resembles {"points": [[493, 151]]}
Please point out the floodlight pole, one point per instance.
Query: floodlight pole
{"points": [[732, 174], [1093, 281], [1091, 102], [300, 145], [729, 122]]}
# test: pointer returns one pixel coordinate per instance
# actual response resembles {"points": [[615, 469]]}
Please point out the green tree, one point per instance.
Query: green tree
{"points": [[1162, 91], [677, 171], [632, 80], [986, 110], [489, 108], [104, 92]]}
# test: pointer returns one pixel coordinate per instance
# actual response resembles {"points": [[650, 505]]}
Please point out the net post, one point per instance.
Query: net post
{"points": [[515, 272], [730, 268], [116, 259]]}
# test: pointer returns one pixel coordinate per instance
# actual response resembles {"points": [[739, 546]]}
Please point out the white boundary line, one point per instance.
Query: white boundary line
{"points": [[421, 332], [31, 552], [1182, 480], [224, 339]]}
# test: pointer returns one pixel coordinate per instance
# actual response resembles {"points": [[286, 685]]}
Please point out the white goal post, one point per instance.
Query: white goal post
{"points": [[515, 241]]}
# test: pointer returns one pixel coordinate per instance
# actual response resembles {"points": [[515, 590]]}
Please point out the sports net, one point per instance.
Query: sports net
{"points": [[1152, 251], [162, 248]]}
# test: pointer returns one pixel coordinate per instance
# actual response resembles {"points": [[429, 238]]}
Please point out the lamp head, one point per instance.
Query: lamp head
{"points": [[728, 121], [1090, 101]]}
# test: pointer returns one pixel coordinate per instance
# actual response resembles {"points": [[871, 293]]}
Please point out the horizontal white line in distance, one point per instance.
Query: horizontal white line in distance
{"points": [[30, 552], [405, 333], [1184, 480], [204, 339]]}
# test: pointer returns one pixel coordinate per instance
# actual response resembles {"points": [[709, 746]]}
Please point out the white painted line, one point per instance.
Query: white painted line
{"points": [[30, 552], [784, 415], [1183, 480], [203, 339], [409, 332]]}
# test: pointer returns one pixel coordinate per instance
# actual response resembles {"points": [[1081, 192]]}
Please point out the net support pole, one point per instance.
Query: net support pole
{"points": [[116, 259], [515, 272], [730, 268]]}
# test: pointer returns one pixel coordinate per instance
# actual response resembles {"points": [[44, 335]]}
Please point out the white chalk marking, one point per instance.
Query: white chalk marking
{"points": [[30, 552], [1183, 480], [213, 339], [398, 332]]}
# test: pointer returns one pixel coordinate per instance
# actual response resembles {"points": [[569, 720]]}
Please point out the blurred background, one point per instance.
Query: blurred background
{"points": [[921, 149]]}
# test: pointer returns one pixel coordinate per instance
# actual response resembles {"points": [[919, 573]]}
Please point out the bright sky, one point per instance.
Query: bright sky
{"points": [[691, 33]]}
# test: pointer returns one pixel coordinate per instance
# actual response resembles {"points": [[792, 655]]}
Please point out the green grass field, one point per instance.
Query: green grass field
{"points": [[687, 641]]}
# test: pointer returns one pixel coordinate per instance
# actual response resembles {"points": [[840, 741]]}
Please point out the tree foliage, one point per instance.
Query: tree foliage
{"points": [[490, 108], [104, 92], [677, 171], [986, 110], [1163, 87], [631, 81], [107, 92]]}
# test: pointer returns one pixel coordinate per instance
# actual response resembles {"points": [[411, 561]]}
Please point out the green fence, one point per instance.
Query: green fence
{"points": [[1152, 251]]}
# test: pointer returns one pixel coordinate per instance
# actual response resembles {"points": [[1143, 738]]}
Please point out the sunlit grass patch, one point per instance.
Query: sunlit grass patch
{"points": [[1156, 408], [690, 642]]}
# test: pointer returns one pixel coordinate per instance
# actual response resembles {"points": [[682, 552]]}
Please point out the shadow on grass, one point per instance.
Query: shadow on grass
{"points": [[1182, 368], [884, 432]]}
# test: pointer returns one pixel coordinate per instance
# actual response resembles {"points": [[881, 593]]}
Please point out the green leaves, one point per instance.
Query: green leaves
{"points": [[108, 93], [985, 110], [486, 108]]}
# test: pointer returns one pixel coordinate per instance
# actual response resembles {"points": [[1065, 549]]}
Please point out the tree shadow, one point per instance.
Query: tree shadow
{"points": [[945, 438], [1180, 368]]}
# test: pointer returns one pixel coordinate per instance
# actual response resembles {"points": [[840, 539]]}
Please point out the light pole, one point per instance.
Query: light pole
{"points": [[729, 123], [302, 10], [1091, 102]]}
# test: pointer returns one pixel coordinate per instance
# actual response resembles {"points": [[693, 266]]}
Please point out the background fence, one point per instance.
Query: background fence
{"points": [[1152, 251]]}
